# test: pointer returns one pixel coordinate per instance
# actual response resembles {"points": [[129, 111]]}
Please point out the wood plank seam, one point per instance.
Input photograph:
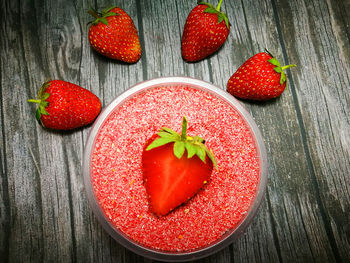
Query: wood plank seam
{"points": [[142, 40], [325, 218]]}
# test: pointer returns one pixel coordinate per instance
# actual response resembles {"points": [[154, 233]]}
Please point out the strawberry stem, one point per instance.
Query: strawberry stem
{"points": [[34, 101], [184, 129], [288, 66], [94, 13], [219, 5]]}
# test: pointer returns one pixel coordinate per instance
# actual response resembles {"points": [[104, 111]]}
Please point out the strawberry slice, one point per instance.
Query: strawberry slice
{"points": [[171, 177]]}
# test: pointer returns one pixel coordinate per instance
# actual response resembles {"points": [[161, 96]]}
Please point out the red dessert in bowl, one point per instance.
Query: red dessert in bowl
{"points": [[222, 208]]}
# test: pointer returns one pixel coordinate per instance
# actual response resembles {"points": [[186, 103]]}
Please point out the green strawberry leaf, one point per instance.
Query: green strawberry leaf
{"points": [[283, 75], [45, 96], [106, 11], [283, 78], [277, 69], [191, 149], [41, 101], [193, 145], [42, 109], [37, 114], [220, 18], [159, 142], [110, 14], [169, 131], [274, 61], [101, 17], [198, 139], [43, 88], [226, 20], [103, 20], [179, 148], [280, 69], [164, 134], [211, 10], [200, 153]]}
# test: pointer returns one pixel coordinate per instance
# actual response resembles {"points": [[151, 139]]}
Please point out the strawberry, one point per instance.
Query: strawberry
{"points": [[205, 31], [114, 35], [65, 106], [171, 178], [261, 77]]}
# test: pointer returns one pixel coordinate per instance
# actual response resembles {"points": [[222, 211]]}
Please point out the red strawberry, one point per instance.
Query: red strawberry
{"points": [[114, 35], [205, 31], [259, 78], [65, 106], [171, 178]]}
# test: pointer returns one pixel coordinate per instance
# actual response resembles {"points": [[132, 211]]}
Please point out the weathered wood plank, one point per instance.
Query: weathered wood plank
{"points": [[323, 100], [54, 52], [22, 226], [4, 193]]}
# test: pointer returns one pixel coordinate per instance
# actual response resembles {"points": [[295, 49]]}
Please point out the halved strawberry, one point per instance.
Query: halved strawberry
{"points": [[171, 178]]}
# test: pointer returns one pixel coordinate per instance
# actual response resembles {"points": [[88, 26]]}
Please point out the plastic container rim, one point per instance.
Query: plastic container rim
{"points": [[227, 238]]}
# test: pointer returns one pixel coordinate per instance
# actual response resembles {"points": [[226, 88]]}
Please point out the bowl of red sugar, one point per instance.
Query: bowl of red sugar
{"points": [[223, 208]]}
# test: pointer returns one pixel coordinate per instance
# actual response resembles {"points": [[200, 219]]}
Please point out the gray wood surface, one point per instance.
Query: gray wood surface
{"points": [[44, 213]]}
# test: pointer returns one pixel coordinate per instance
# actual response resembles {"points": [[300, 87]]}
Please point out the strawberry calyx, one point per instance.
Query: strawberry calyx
{"points": [[102, 16], [212, 10], [41, 100], [194, 145], [279, 68]]}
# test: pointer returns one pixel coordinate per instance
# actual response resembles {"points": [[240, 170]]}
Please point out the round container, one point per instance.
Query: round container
{"points": [[230, 235]]}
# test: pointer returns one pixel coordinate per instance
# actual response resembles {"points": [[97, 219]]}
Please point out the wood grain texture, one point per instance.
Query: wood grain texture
{"points": [[323, 101], [44, 213], [290, 186]]}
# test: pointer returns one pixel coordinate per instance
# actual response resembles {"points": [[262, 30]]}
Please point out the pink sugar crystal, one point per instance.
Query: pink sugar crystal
{"points": [[117, 174]]}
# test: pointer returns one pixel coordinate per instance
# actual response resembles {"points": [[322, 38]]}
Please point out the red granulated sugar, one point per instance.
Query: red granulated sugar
{"points": [[117, 170]]}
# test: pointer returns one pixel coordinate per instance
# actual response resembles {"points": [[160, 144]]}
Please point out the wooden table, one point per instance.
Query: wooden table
{"points": [[304, 217]]}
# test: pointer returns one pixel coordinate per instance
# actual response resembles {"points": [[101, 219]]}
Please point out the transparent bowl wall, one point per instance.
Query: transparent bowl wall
{"points": [[231, 235]]}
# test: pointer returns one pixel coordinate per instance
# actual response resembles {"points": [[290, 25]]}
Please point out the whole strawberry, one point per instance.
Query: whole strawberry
{"points": [[170, 176], [261, 77], [114, 35], [205, 31], [65, 106]]}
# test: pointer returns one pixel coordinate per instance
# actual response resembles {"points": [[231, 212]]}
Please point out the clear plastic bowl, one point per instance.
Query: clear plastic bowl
{"points": [[227, 238]]}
